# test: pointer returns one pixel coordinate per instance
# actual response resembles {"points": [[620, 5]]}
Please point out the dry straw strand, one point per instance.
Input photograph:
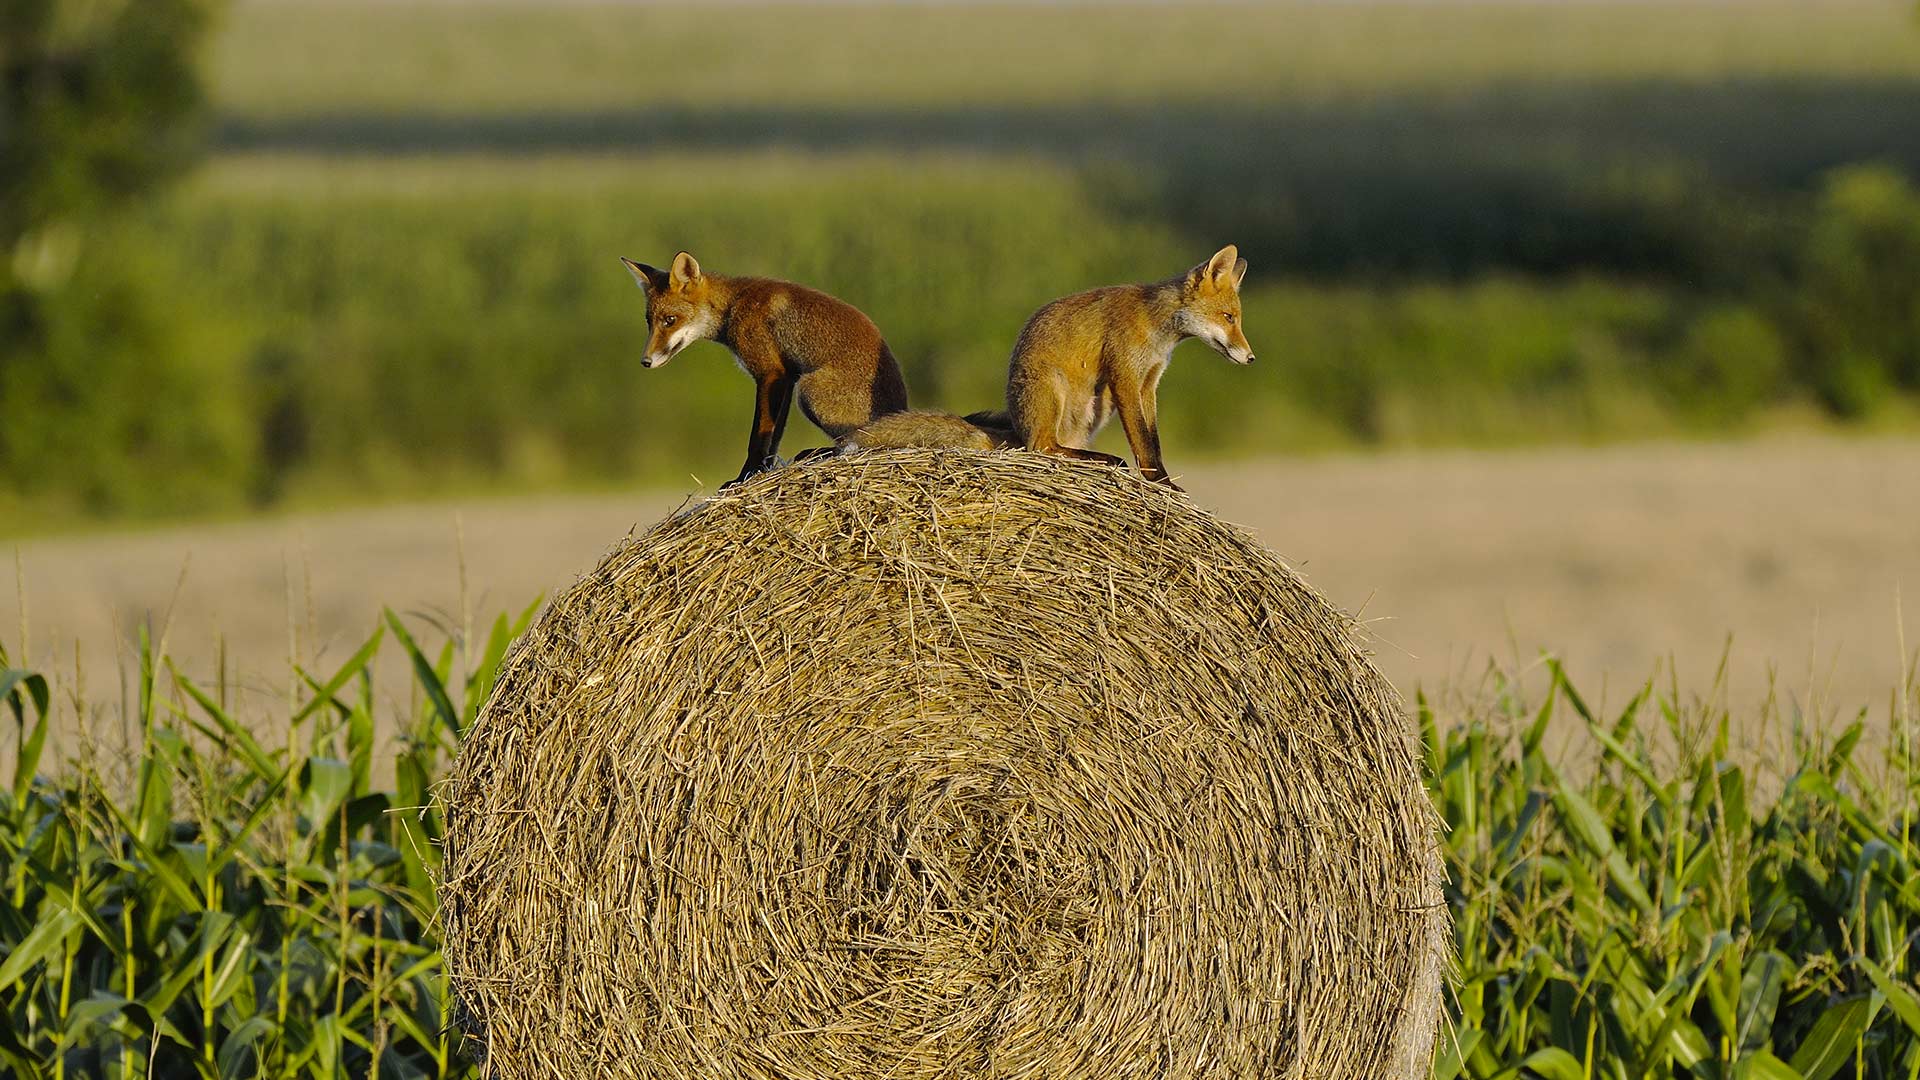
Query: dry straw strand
{"points": [[939, 764]]}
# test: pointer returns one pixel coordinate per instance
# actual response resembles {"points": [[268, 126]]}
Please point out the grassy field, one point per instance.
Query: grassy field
{"points": [[287, 57], [206, 890], [1468, 224]]}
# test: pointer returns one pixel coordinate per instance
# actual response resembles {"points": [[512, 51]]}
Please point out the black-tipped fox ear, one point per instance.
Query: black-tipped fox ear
{"points": [[686, 269], [1239, 272], [647, 277]]}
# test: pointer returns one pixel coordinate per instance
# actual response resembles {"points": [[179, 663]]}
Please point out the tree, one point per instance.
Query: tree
{"points": [[98, 100], [100, 103]]}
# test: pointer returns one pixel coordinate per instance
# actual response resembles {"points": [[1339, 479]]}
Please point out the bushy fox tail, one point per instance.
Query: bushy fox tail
{"points": [[933, 430]]}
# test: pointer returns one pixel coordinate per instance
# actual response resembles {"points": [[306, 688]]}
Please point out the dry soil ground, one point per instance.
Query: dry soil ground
{"points": [[1614, 559]]}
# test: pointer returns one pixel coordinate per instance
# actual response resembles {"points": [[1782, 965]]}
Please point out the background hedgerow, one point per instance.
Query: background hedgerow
{"points": [[1476, 223]]}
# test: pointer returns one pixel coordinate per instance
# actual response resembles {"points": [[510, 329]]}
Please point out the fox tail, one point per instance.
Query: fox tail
{"points": [[932, 430]]}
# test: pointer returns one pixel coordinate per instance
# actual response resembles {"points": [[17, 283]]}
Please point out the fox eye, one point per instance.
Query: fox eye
{"points": [[1230, 317], [669, 320]]}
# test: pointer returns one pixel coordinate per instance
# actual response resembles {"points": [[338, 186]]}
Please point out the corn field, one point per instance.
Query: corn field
{"points": [[214, 890]]}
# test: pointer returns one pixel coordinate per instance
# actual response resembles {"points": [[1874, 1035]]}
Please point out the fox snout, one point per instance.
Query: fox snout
{"points": [[1234, 347], [663, 346]]}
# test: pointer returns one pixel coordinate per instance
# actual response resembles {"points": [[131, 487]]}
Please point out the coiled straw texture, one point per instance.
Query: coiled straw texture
{"points": [[942, 764]]}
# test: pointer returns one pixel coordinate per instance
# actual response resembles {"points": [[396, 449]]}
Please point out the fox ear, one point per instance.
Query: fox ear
{"points": [[1239, 272], [650, 279], [686, 269], [1220, 268]]}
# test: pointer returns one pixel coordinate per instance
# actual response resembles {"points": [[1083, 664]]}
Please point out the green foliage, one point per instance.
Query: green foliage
{"points": [[232, 903], [1673, 907], [105, 392], [1858, 293], [238, 896], [396, 277], [305, 369], [126, 407], [95, 100]]}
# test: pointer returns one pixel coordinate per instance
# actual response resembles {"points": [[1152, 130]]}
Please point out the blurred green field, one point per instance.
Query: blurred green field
{"points": [[1468, 224], [295, 57]]}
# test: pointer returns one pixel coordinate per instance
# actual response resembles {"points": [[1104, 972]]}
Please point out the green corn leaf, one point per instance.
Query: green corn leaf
{"points": [[89, 1013], [1536, 732], [1617, 751], [151, 862], [241, 1046], [354, 665], [1764, 1066], [44, 942], [235, 734], [1591, 830], [1842, 753], [1565, 687], [261, 811], [33, 741], [1736, 822], [230, 972], [360, 729], [487, 671], [1629, 718], [1554, 1064], [1522, 825], [1455, 1048], [1902, 999], [328, 1036], [429, 679], [12, 680], [214, 929], [20, 1060], [1760, 986], [1831, 1042], [405, 1021], [325, 783]]}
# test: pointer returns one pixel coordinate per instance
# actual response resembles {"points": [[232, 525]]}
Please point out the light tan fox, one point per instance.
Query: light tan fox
{"points": [[1085, 357], [936, 430], [788, 338]]}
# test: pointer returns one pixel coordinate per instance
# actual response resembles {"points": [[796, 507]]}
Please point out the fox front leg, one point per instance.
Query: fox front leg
{"points": [[772, 398], [1138, 415]]}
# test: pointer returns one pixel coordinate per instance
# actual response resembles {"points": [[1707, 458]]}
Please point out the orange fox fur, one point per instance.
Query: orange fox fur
{"points": [[791, 340], [1084, 357]]}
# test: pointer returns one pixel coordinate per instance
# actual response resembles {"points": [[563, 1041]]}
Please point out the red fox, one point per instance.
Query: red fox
{"points": [[920, 428], [1084, 357], [786, 337]]}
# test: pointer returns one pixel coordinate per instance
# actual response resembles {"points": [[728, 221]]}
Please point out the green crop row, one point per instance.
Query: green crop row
{"points": [[210, 889], [1670, 906]]}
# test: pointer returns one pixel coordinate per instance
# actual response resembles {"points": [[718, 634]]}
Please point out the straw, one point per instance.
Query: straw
{"points": [[939, 764]]}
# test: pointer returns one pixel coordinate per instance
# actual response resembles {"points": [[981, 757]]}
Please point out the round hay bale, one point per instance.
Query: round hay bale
{"points": [[941, 764]]}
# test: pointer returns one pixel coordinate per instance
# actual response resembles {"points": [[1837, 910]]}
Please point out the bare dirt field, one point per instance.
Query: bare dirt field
{"points": [[1613, 559]]}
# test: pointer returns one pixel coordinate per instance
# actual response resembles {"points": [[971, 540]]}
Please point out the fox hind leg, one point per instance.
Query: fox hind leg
{"points": [[1039, 413]]}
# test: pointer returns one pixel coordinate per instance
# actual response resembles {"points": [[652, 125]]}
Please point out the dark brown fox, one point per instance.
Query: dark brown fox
{"points": [[788, 338]]}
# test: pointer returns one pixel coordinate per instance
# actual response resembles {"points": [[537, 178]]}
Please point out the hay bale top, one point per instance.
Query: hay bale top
{"points": [[931, 764]]}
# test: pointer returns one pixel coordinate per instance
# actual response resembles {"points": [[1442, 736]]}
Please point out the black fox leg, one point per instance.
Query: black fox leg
{"points": [[771, 400]]}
